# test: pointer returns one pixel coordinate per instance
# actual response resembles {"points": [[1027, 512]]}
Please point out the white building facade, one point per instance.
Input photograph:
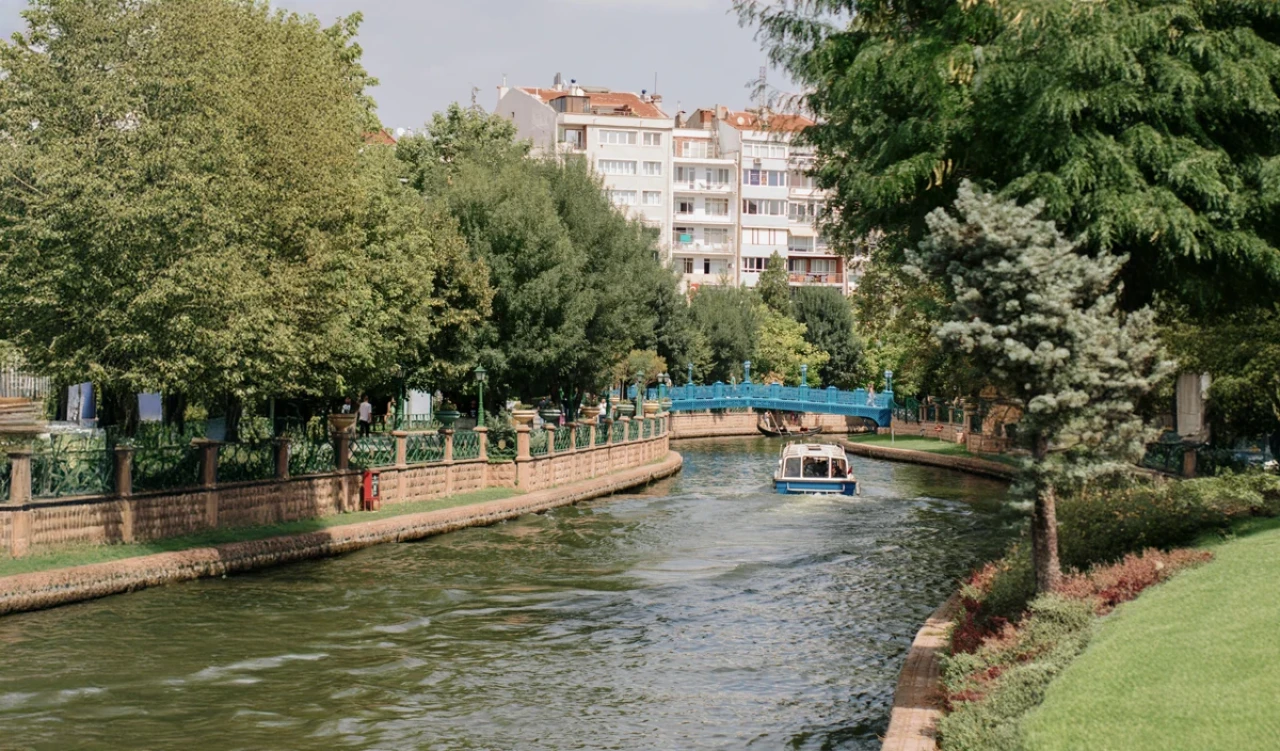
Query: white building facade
{"points": [[625, 138], [725, 189]]}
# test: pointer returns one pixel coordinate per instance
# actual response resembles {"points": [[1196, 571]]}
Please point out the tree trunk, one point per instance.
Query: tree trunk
{"points": [[1044, 528], [234, 410], [175, 410], [118, 408]]}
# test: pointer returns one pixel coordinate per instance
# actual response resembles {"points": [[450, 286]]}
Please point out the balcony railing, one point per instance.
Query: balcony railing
{"points": [[570, 147], [702, 247], [702, 216], [712, 151], [687, 185], [813, 278]]}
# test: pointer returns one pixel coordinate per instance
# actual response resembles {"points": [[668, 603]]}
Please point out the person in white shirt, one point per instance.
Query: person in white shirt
{"points": [[346, 406], [365, 415]]}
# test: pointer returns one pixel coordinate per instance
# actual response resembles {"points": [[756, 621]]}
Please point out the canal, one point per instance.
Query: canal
{"points": [[702, 613]]}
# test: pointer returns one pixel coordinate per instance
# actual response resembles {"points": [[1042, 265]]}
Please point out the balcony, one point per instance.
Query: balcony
{"points": [[702, 217], [703, 248], [834, 278], [701, 186], [570, 147], [707, 152]]}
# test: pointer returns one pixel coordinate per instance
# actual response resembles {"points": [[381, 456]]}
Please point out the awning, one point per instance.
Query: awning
{"points": [[803, 230]]}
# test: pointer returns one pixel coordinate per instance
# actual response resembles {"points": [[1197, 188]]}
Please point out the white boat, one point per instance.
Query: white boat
{"points": [[805, 468]]}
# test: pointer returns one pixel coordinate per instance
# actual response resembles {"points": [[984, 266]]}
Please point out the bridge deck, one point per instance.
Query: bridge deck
{"points": [[877, 407]]}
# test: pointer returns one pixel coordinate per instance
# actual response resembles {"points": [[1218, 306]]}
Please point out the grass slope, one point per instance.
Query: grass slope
{"points": [[81, 555], [913, 443], [1192, 664]]}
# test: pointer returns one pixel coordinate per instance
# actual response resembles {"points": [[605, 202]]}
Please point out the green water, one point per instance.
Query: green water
{"points": [[703, 613]]}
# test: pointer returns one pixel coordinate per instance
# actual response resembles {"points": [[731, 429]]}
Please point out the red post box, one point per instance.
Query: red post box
{"points": [[370, 490]]}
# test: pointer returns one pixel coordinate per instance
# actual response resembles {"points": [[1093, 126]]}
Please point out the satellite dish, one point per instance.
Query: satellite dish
{"points": [[400, 132], [741, 120]]}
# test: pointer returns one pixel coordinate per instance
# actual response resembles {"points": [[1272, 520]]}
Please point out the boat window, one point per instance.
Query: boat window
{"points": [[815, 466], [838, 469], [792, 467]]}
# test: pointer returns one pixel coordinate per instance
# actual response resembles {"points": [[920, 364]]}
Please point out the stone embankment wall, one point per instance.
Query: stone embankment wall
{"points": [[968, 464], [51, 588], [38, 525], [709, 424]]}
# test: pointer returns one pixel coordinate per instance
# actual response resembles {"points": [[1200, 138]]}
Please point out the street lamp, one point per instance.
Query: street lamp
{"points": [[804, 374], [639, 393], [481, 376], [663, 380]]}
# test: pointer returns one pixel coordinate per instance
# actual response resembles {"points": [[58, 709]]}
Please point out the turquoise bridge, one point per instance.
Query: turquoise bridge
{"points": [[876, 407]]}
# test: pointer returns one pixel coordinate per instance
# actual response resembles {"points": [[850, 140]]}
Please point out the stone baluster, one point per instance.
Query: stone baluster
{"points": [[448, 444], [124, 471], [482, 437], [281, 447], [20, 476], [522, 443], [208, 461], [402, 448]]}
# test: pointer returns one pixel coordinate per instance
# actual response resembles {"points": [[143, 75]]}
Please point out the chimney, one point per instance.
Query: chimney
{"points": [[558, 83]]}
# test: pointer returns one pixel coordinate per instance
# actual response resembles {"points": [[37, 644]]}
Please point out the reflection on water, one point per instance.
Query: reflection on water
{"points": [[705, 612]]}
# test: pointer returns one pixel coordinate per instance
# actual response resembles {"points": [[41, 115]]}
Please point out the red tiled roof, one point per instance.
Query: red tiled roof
{"points": [[379, 138], [619, 100], [779, 122]]}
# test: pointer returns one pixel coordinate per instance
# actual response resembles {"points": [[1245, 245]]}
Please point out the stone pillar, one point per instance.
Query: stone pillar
{"points": [[281, 446], [626, 428], [20, 533], [482, 437], [591, 434], [573, 436], [1189, 463], [448, 444], [402, 448], [208, 461], [124, 471], [522, 443], [342, 450], [551, 442], [608, 436], [19, 477]]}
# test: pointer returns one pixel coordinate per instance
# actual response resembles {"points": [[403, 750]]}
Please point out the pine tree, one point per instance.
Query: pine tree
{"points": [[1042, 321]]}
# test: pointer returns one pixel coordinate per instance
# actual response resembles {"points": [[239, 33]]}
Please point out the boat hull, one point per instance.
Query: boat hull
{"points": [[811, 487]]}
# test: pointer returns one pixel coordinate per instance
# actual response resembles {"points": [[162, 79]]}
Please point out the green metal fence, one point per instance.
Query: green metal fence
{"points": [[1165, 457], [66, 466], [370, 451], [5, 470], [423, 448], [564, 439], [311, 456], [247, 461], [466, 445], [619, 432], [634, 432], [502, 450], [583, 437], [538, 442], [166, 467]]}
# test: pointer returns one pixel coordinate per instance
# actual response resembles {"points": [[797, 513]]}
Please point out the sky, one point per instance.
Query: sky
{"points": [[428, 53]]}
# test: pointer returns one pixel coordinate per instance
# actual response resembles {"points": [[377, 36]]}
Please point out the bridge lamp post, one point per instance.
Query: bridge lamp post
{"points": [[690, 381], [888, 381], [804, 375], [640, 393], [746, 371], [481, 376]]}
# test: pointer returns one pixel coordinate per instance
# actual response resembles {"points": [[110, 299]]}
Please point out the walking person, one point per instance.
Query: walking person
{"points": [[391, 415], [346, 406], [364, 416]]}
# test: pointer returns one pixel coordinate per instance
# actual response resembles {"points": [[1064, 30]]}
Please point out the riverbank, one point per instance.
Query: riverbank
{"points": [[1193, 663], [926, 451], [45, 589]]}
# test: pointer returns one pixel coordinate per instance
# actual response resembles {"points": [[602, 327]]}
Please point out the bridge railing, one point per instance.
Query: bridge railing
{"points": [[687, 397]]}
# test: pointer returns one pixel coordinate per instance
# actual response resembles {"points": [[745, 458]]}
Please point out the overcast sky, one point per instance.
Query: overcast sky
{"points": [[428, 53]]}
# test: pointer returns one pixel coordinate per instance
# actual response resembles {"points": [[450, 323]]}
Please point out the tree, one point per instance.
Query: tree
{"points": [[729, 318], [782, 349], [578, 284], [187, 206], [1042, 320], [1147, 127], [828, 320], [642, 362], [774, 285]]}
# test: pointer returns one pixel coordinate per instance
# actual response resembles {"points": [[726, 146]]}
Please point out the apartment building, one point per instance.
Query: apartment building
{"points": [[726, 189], [625, 137]]}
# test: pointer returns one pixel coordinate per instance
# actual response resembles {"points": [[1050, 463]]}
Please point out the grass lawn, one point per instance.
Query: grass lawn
{"points": [[1191, 664], [85, 554]]}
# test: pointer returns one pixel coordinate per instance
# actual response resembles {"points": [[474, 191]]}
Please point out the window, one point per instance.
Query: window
{"points": [[652, 139], [718, 177], [822, 266], [754, 206], [804, 211], [686, 174], [752, 236], [706, 265], [615, 167], [771, 178], [777, 151], [688, 265], [716, 235], [684, 207], [754, 265], [694, 149], [717, 207], [653, 198], [801, 181], [800, 244], [618, 137], [682, 235], [653, 169], [622, 197]]}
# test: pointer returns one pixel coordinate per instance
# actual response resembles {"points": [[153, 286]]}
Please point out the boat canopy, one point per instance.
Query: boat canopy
{"points": [[813, 461]]}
